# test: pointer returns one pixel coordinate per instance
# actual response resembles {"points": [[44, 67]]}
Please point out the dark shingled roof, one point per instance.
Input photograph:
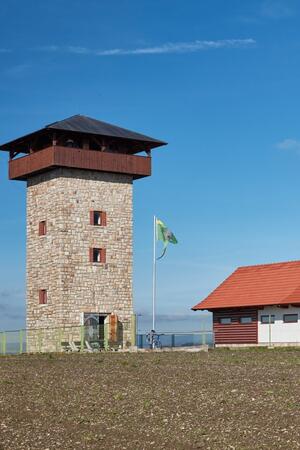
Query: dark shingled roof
{"points": [[87, 125], [84, 124]]}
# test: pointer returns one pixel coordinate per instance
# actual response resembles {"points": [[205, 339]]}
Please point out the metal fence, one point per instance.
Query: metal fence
{"points": [[93, 338], [179, 339], [65, 339]]}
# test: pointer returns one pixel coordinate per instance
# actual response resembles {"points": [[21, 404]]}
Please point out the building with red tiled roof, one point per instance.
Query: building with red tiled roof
{"points": [[257, 305]]}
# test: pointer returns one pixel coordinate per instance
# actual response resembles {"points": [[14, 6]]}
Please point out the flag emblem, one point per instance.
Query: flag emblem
{"points": [[164, 234]]}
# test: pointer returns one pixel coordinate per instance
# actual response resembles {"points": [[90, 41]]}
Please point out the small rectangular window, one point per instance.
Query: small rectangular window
{"points": [[225, 320], [290, 318], [98, 255], [245, 319], [42, 228], [98, 218], [267, 318], [42, 296]]}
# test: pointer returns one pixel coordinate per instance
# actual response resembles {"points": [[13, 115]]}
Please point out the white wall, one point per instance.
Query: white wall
{"points": [[280, 331]]}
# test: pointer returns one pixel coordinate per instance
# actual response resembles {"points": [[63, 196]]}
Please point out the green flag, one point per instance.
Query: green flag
{"points": [[165, 235]]}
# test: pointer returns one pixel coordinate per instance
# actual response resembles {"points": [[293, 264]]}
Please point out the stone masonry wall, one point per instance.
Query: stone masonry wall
{"points": [[59, 261]]}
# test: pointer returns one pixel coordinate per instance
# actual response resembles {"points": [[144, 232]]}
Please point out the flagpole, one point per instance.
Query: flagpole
{"points": [[154, 274]]}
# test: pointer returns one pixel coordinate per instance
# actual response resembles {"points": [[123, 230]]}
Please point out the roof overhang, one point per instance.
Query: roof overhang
{"points": [[279, 304], [85, 126]]}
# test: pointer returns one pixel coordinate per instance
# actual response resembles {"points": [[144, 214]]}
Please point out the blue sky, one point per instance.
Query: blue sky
{"points": [[218, 80]]}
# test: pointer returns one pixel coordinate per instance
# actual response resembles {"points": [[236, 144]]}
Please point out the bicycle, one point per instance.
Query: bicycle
{"points": [[154, 340]]}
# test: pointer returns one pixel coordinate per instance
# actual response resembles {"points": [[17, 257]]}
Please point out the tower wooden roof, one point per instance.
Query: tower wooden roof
{"points": [[83, 125]]}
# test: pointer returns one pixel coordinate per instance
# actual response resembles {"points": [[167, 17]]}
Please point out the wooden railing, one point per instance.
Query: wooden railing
{"points": [[51, 157]]}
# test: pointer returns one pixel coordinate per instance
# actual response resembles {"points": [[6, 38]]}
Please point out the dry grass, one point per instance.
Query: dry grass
{"points": [[220, 400]]}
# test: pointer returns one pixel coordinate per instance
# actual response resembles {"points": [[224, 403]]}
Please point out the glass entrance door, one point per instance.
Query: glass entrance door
{"points": [[94, 328]]}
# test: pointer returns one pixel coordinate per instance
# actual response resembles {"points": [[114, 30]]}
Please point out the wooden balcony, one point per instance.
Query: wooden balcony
{"points": [[52, 157]]}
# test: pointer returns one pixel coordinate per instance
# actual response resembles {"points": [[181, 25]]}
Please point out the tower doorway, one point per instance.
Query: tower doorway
{"points": [[94, 328]]}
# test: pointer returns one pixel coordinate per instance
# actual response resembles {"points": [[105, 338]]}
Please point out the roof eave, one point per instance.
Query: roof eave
{"points": [[7, 146], [257, 305]]}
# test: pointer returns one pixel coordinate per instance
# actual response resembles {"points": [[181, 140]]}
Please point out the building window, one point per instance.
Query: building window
{"points": [[225, 320], [245, 319], [98, 255], [42, 296], [98, 218], [42, 228], [290, 318], [267, 319]]}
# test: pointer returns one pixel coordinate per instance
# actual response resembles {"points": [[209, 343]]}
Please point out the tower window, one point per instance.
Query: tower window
{"points": [[98, 218], [42, 228], [98, 255], [43, 297]]}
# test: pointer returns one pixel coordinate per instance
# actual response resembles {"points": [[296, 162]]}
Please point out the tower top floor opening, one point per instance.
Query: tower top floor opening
{"points": [[83, 132], [80, 142]]}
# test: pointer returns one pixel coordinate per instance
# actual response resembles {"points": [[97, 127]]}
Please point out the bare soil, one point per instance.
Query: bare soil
{"points": [[245, 399]]}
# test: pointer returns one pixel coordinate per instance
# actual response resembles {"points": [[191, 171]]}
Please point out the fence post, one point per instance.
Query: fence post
{"points": [[3, 343], [173, 340], [140, 337], [57, 340], [106, 335], [21, 340], [39, 341], [60, 338], [81, 338], [133, 329], [270, 332]]}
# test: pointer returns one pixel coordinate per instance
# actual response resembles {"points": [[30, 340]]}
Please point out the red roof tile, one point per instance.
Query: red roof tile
{"points": [[267, 284]]}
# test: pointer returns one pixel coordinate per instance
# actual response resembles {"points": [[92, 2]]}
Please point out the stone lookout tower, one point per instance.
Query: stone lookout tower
{"points": [[79, 174]]}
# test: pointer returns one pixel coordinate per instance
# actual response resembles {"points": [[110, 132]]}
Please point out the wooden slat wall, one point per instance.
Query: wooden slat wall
{"points": [[21, 168], [236, 332], [36, 162]]}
